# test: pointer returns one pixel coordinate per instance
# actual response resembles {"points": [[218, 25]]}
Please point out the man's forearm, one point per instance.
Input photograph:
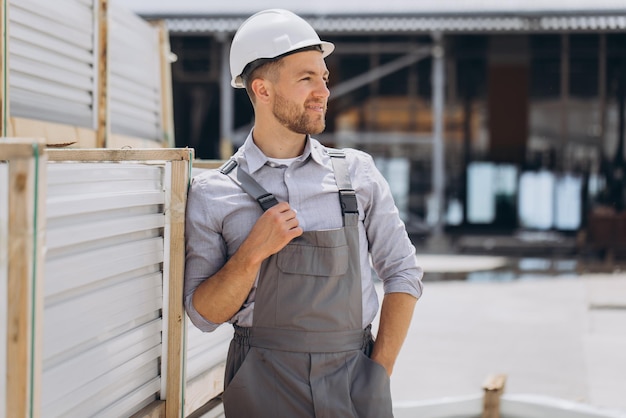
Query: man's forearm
{"points": [[219, 297], [395, 319]]}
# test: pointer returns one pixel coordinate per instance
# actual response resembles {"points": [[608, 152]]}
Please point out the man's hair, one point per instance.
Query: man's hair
{"points": [[267, 68], [262, 68]]}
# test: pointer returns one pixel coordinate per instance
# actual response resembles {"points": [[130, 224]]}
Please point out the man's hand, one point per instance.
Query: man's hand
{"points": [[272, 232], [220, 296], [395, 318]]}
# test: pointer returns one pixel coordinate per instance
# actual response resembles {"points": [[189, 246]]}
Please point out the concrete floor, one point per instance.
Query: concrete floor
{"points": [[563, 337]]}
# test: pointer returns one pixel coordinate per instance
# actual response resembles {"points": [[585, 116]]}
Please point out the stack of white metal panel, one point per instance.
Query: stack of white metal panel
{"points": [[103, 288], [108, 336], [135, 76], [54, 66], [53, 60]]}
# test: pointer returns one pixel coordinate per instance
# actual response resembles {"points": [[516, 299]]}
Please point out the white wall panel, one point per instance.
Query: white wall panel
{"points": [[135, 75], [102, 340], [4, 265], [205, 351], [52, 60], [109, 390]]}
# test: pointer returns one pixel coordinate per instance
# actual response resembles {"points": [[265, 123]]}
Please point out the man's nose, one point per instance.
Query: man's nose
{"points": [[322, 90]]}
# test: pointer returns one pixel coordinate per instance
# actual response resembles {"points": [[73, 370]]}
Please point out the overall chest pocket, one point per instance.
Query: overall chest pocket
{"points": [[315, 290], [308, 260]]}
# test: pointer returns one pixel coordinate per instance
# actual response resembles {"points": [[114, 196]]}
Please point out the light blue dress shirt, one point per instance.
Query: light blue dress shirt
{"points": [[220, 215]]}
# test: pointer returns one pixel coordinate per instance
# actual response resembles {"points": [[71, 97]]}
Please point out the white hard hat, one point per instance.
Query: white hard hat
{"points": [[269, 34]]}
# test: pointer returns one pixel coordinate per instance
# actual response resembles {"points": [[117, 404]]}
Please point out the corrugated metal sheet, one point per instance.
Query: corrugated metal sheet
{"points": [[370, 7], [104, 288], [206, 351], [52, 60], [4, 224], [135, 76], [419, 24]]}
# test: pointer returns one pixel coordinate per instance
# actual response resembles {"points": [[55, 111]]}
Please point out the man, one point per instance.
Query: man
{"points": [[279, 239]]}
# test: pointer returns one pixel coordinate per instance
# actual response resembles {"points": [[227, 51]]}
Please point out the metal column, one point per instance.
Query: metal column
{"points": [[438, 163], [227, 94]]}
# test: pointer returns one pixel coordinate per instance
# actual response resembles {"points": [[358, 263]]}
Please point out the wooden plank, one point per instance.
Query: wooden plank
{"points": [[493, 388], [203, 388], [61, 135], [127, 141], [155, 410], [56, 134], [210, 409], [103, 128], [147, 154], [175, 368], [13, 148], [208, 163], [4, 64], [167, 103], [25, 282]]}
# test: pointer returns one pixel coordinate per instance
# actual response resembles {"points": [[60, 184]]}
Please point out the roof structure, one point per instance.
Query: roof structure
{"points": [[370, 7], [396, 16], [405, 24]]}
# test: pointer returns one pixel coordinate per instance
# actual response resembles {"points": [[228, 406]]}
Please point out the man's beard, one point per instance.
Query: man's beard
{"points": [[288, 114]]}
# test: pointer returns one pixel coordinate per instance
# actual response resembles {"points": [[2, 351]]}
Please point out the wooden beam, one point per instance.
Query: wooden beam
{"points": [[204, 388], [4, 65], [207, 409], [208, 163], [155, 410], [146, 154], [102, 92], [56, 134], [26, 240], [11, 148], [493, 388], [176, 320], [127, 141]]}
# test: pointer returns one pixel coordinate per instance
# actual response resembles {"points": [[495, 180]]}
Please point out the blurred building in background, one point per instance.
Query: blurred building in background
{"points": [[531, 106]]}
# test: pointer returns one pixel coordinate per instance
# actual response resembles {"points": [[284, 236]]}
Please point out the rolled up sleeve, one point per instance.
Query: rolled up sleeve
{"points": [[392, 252], [204, 251]]}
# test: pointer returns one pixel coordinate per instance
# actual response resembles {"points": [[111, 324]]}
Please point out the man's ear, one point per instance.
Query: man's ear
{"points": [[261, 89]]}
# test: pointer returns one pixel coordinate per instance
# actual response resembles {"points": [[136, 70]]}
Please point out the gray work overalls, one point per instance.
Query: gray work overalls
{"points": [[306, 354]]}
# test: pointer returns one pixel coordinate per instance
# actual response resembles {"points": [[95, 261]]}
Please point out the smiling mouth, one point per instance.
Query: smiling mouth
{"points": [[317, 108]]}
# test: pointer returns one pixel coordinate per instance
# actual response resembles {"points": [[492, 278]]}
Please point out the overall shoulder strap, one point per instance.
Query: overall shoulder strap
{"points": [[347, 195], [249, 185]]}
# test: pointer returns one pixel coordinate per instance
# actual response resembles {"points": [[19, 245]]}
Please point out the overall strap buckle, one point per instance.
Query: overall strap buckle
{"points": [[249, 185], [347, 195]]}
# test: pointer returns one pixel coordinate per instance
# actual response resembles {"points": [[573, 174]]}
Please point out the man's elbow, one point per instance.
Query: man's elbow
{"points": [[200, 319]]}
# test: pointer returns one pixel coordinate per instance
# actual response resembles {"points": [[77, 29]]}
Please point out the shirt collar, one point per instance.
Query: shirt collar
{"points": [[255, 158]]}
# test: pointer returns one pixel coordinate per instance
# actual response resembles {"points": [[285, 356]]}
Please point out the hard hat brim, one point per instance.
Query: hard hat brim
{"points": [[327, 49]]}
